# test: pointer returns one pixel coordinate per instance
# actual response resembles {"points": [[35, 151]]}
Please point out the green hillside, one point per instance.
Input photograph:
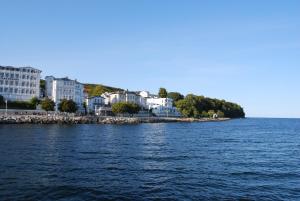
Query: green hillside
{"points": [[98, 89]]}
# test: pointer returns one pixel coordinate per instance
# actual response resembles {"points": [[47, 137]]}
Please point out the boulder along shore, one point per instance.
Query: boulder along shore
{"points": [[61, 119]]}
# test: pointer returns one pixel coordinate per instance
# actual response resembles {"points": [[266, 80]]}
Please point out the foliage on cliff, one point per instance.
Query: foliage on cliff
{"points": [[98, 89], [176, 96], [200, 106]]}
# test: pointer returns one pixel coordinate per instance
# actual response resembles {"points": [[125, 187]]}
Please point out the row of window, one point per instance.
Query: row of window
{"points": [[16, 76], [16, 83], [165, 109], [65, 91], [68, 97], [18, 70], [124, 97], [66, 83], [16, 90]]}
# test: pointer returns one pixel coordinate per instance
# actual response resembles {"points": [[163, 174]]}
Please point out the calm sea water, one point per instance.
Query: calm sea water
{"points": [[251, 159]]}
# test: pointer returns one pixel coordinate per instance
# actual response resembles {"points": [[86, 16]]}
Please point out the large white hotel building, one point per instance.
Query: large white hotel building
{"points": [[58, 89], [19, 84]]}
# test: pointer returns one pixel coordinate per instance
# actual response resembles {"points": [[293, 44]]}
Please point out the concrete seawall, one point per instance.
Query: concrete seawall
{"points": [[62, 119]]}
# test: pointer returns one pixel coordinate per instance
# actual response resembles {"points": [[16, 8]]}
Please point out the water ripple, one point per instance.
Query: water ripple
{"points": [[251, 159]]}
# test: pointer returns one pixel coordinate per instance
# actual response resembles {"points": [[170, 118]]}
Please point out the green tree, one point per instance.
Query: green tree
{"points": [[22, 105], [43, 84], [125, 108], [204, 114], [34, 101], [67, 106], [134, 108], [220, 114], [85, 108], [176, 96], [211, 113], [119, 108], [48, 104], [200, 106], [98, 90], [2, 101], [188, 107], [162, 93]]}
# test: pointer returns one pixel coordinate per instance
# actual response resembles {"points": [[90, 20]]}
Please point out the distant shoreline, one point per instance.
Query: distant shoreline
{"points": [[62, 119]]}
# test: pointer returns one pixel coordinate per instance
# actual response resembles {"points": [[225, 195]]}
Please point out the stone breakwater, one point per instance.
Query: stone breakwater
{"points": [[61, 119]]}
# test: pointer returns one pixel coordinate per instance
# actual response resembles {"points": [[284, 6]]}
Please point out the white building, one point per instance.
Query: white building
{"points": [[92, 103], [162, 107], [19, 84], [163, 111], [122, 96], [166, 102], [145, 94], [58, 89], [159, 106]]}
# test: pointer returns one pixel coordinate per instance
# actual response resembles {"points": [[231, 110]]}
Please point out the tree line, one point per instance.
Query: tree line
{"points": [[64, 106], [199, 106], [125, 108], [25, 105], [189, 106], [46, 104]]}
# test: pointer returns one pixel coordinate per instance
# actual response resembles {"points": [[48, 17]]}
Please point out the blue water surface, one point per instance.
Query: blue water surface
{"points": [[246, 159]]}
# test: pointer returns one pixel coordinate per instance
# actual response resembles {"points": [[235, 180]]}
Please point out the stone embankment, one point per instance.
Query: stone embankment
{"points": [[64, 119]]}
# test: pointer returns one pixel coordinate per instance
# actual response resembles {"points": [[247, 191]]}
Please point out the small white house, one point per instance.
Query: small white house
{"points": [[123, 96], [166, 102], [162, 111], [94, 102], [158, 106], [144, 94], [162, 107]]}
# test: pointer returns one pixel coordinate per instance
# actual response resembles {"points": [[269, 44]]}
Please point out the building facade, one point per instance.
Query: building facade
{"points": [[92, 103], [19, 83], [163, 111], [122, 96], [58, 89], [162, 107], [166, 102]]}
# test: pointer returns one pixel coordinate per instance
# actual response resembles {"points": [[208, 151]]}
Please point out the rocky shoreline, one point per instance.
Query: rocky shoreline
{"points": [[62, 119]]}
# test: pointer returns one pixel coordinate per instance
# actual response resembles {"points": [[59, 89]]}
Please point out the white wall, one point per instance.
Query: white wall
{"points": [[93, 102], [64, 88], [19, 83], [167, 102]]}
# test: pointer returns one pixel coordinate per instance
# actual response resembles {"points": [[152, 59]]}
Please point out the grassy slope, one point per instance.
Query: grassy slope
{"points": [[98, 89]]}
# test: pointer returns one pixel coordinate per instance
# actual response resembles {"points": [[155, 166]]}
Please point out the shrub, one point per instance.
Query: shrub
{"points": [[67, 106], [123, 108], [48, 105]]}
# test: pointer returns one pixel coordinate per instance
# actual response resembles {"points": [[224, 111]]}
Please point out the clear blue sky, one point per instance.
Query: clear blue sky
{"points": [[242, 51]]}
